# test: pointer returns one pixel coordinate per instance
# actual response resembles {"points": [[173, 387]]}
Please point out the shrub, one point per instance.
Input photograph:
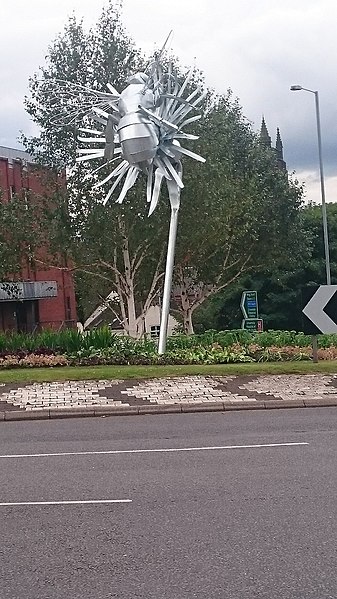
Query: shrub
{"points": [[101, 346], [32, 361], [279, 354]]}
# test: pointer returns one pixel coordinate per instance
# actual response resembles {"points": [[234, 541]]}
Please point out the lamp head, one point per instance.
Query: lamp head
{"points": [[296, 88]]}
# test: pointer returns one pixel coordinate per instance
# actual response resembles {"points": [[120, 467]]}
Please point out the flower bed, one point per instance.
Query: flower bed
{"points": [[102, 347]]}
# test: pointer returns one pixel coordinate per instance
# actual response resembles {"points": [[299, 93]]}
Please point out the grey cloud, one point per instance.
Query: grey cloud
{"points": [[257, 48]]}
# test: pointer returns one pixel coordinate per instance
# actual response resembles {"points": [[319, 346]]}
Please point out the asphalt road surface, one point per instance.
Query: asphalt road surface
{"points": [[243, 507]]}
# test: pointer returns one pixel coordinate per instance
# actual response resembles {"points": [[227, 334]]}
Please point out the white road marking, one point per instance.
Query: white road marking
{"points": [[80, 502], [132, 451]]}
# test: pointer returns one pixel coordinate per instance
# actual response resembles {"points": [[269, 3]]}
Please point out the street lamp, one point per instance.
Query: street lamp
{"points": [[296, 88]]}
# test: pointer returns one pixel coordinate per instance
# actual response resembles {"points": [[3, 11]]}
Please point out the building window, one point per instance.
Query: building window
{"points": [[12, 192], [154, 331]]}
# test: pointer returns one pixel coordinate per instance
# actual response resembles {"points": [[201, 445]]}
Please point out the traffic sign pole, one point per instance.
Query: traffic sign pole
{"points": [[314, 343]]}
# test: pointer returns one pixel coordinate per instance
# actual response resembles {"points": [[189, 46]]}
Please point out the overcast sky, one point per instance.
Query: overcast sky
{"points": [[258, 48]]}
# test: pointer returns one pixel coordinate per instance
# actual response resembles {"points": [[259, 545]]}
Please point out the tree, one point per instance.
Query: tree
{"points": [[118, 247], [280, 290], [238, 211], [123, 249], [18, 238], [242, 215], [103, 54]]}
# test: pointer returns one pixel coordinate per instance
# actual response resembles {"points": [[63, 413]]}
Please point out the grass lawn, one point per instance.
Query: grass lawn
{"points": [[26, 375]]}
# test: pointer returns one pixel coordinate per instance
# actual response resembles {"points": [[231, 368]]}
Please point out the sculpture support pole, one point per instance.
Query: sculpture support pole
{"points": [[165, 311]]}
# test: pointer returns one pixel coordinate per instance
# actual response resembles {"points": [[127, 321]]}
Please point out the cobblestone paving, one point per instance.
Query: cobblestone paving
{"points": [[177, 390], [295, 386]]}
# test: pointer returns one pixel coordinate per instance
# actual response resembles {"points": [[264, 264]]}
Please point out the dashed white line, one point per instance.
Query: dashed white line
{"points": [[140, 451]]}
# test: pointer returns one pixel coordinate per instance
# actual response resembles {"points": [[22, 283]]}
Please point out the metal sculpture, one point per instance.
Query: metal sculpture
{"points": [[141, 128]]}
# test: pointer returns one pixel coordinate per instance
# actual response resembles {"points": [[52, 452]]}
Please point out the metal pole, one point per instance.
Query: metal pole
{"points": [[324, 215], [168, 281], [315, 348]]}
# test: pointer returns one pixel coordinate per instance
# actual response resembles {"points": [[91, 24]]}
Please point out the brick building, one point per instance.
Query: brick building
{"points": [[34, 298]]}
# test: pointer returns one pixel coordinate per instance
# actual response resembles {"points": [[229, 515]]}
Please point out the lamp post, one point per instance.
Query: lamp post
{"points": [[324, 215]]}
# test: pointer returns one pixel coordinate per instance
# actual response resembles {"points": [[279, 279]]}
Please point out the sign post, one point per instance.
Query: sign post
{"points": [[249, 307]]}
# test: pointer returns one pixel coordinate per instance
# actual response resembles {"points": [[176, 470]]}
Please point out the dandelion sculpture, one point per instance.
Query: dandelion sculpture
{"points": [[139, 129]]}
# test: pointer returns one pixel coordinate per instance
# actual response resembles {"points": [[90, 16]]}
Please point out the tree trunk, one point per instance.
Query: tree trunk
{"points": [[141, 326], [188, 323], [131, 316]]}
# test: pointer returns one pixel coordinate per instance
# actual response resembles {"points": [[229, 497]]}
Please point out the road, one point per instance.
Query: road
{"points": [[244, 508]]}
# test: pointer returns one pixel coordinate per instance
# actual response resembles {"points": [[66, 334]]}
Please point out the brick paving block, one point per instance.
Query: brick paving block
{"points": [[171, 402], [231, 400]]}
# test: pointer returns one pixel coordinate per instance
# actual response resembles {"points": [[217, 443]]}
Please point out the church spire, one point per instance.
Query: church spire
{"points": [[265, 138], [279, 151], [279, 145]]}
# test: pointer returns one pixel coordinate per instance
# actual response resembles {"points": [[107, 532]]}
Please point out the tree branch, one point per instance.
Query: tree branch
{"points": [[115, 270], [135, 262]]}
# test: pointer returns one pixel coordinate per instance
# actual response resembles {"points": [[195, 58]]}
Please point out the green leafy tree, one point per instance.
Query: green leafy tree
{"points": [[103, 54], [241, 214], [115, 251], [239, 211], [280, 290], [20, 235]]}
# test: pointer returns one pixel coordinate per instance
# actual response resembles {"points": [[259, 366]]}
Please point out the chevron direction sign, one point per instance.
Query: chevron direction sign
{"points": [[320, 309]]}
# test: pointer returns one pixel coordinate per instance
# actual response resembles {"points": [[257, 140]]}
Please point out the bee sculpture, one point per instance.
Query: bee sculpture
{"points": [[138, 131]]}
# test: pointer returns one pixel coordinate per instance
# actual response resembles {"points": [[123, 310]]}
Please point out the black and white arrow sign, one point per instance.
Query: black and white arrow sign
{"points": [[321, 310]]}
